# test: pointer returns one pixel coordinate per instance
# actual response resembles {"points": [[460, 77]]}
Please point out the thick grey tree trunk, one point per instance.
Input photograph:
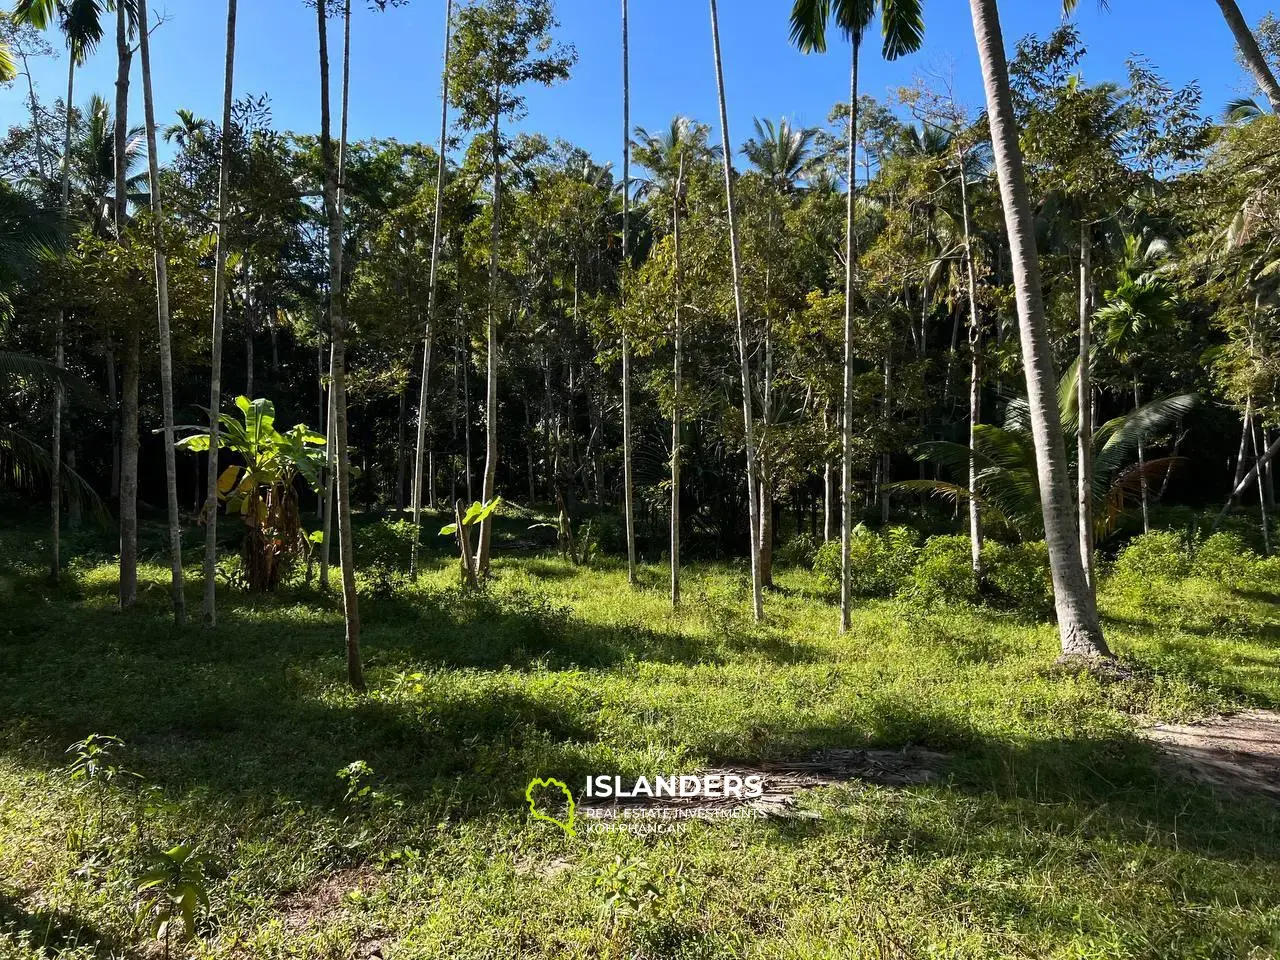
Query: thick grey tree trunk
{"points": [[209, 603], [177, 589], [333, 205], [1247, 43], [1078, 624], [428, 332], [748, 426]]}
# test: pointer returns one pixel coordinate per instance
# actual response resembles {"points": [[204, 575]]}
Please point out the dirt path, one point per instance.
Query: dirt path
{"points": [[1240, 750]]}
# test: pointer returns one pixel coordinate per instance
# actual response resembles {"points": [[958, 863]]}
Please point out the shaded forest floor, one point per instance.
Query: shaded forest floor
{"points": [[1054, 829]]}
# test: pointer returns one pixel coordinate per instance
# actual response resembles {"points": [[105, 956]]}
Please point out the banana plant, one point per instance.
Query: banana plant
{"points": [[263, 489]]}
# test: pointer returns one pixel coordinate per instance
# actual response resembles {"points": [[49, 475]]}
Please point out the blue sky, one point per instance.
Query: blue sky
{"points": [[396, 62]]}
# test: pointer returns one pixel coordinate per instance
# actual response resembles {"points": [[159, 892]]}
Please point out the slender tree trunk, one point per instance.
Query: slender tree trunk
{"points": [[846, 406], [330, 475], [59, 355], [401, 465], [975, 375], [748, 427], [1255, 440], [677, 373], [1262, 463], [491, 387], [1078, 623], [1143, 484], [113, 404], [429, 331], [37, 127], [1084, 403], [162, 313], [129, 464], [627, 479], [333, 199], [1244, 446], [209, 602], [1247, 43]]}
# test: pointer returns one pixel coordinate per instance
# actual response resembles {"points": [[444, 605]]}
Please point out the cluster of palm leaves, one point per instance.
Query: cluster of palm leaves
{"points": [[1007, 488]]}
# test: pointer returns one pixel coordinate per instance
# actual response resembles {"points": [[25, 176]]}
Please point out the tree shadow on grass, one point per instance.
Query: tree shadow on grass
{"points": [[52, 933]]}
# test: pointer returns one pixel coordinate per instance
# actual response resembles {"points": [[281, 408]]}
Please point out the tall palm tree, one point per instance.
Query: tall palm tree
{"points": [[903, 28], [627, 496], [80, 22], [338, 329], [748, 416], [420, 454], [192, 128], [780, 151], [1078, 625]]}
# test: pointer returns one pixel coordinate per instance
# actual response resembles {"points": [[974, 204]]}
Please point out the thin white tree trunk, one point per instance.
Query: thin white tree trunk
{"points": [[678, 343], [748, 427], [846, 412], [627, 478], [1078, 624], [1084, 403], [162, 311], [429, 332], [59, 355], [491, 386], [333, 204], [975, 374], [1143, 483], [209, 603]]}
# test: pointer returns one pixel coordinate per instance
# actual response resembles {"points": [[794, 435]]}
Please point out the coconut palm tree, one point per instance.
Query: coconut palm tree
{"points": [[748, 416], [903, 29], [1247, 44], [1079, 628], [80, 22], [190, 129], [420, 454]]}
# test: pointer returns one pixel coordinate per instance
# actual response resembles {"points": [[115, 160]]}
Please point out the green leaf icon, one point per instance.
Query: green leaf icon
{"points": [[551, 783]]}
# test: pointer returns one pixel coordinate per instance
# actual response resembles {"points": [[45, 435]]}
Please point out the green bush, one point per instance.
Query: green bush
{"points": [[1224, 557], [1018, 576], [386, 543], [1158, 555], [945, 571], [881, 563], [800, 551]]}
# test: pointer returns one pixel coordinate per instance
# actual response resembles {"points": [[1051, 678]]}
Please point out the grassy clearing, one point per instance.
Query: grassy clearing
{"points": [[1055, 832]]}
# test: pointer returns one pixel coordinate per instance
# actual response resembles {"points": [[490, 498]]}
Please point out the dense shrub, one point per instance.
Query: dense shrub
{"points": [[881, 563], [386, 543], [1224, 557], [945, 571], [800, 551], [1158, 555], [1019, 576]]}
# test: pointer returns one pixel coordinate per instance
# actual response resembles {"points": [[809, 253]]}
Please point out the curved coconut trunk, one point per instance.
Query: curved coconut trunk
{"points": [[1078, 624], [1247, 43]]}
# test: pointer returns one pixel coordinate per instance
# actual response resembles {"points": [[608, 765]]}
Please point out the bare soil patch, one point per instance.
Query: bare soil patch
{"points": [[1239, 750], [784, 780]]}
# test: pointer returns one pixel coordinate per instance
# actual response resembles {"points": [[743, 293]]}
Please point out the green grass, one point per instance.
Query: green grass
{"points": [[1055, 831]]}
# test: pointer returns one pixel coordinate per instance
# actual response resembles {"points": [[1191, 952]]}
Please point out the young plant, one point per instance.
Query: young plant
{"points": [[93, 767], [476, 515], [262, 490], [174, 890]]}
